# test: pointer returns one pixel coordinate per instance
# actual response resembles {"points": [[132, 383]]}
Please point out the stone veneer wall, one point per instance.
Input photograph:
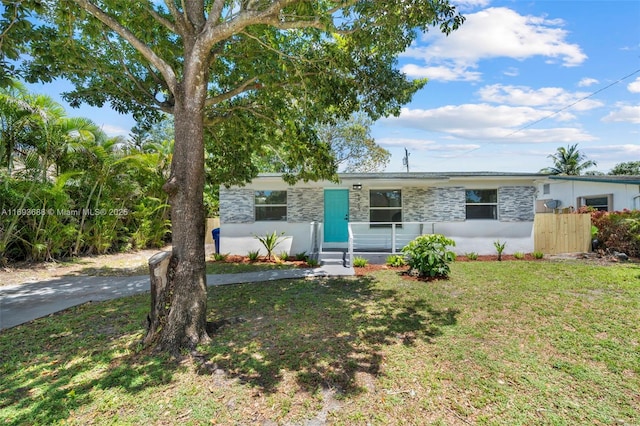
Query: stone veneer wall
{"points": [[445, 205], [359, 205], [305, 205], [413, 204], [237, 205], [516, 203]]}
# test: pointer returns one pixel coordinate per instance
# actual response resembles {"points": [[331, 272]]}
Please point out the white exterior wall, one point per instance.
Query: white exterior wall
{"points": [[479, 235], [436, 202], [240, 239], [625, 196]]}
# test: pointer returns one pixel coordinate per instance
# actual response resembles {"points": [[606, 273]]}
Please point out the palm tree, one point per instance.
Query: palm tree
{"points": [[15, 114], [568, 161]]}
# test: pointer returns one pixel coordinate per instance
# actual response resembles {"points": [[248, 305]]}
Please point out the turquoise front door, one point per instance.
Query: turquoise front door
{"points": [[336, 215]]}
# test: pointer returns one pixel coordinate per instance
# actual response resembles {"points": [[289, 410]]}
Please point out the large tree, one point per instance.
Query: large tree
{"points": [[254, 70], [568, 161], [627, 168], [355, 150]]}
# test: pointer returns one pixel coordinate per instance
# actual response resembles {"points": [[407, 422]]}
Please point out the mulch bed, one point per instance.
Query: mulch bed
{"points": [[262, 260], [598, 258]]}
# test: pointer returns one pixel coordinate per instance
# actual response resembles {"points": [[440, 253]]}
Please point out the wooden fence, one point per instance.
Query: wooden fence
{"points": [[562, 233]]}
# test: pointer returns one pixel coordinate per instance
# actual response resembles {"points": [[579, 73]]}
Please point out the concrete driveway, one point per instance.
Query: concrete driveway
{"points": [[26, 302]]}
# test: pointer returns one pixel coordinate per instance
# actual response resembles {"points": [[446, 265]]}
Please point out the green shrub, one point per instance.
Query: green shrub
{"points": [[270, 242], [471, 255], [312, 262], [429, 255], [302, 256], [396, 260], [253, 255], [220, 257], [518, 255], [618, 231], [284, 256], [538, 255], [499, 248], [360, 262]]}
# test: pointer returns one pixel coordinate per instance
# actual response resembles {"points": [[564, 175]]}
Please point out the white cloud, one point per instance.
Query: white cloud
{"points": [[414, 144], [113, 131], [441, 73], [634, 86], [586, 82], [545, 97], [618, 151], [465, 5], [512, 72], [494, 33], [486, 122], [624, 114]]}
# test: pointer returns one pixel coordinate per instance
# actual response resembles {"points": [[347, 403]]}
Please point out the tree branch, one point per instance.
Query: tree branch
{"points": [[247, 85], [132, 78], [194, 11], [177, 16], [163, 21], [164, 68]]}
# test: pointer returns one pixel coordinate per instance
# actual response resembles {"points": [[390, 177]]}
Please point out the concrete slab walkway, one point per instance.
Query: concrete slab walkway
{"points": [[26, 302]]}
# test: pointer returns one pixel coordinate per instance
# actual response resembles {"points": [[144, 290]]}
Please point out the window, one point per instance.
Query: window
{"points": [[598, 202], [385, 206], [482, 204], [271, 205], [546, 189]]}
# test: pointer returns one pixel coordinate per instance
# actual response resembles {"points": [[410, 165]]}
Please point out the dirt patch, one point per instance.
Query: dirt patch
{"points": [[120, 264]]}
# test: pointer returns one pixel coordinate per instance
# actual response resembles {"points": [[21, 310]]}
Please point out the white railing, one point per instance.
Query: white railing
{"points": [[350, 248], [384, 237], [315, 246]]}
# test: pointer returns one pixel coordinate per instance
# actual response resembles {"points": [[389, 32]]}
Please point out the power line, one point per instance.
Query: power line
{"points": [[620, 80]]}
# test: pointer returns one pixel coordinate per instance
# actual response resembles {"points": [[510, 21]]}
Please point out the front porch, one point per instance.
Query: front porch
{"points": [[374, 241]]}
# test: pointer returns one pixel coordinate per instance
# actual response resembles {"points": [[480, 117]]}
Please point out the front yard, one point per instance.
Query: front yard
{"points": [[522, 342]]}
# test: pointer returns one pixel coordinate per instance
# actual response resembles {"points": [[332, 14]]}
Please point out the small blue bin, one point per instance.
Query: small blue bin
{"points": [[215, 232]]}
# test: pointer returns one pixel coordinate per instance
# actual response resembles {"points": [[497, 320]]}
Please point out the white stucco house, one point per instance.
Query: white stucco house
{"points": [[379, 213], [609, 193]]}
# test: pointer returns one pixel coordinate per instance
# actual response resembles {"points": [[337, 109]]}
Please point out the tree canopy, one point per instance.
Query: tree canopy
{"points": [[627, 168], [274, 68], [254, 73], [568, 161]]}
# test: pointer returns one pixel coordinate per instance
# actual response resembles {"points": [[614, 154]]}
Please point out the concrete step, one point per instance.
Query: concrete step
{"points": [[332, 258]]}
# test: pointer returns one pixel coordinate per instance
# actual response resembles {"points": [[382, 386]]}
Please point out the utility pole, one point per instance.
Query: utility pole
{"points": [[405, 160]]}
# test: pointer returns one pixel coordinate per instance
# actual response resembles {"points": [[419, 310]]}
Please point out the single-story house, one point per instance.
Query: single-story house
{"points": [[568, 193], [380, 212]]}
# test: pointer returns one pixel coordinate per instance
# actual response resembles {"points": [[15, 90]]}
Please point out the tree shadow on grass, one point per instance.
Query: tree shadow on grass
{"points": [[323, 333], [55, 364], [327, 333]]}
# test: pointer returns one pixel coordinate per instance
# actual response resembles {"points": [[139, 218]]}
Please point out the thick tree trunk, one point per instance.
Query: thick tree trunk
{"points": [[181, 322]]}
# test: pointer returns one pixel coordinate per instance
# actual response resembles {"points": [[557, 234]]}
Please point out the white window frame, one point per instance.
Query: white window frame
{"points": [[379, 208], [582, 201], [495, 205], [261, 193]]}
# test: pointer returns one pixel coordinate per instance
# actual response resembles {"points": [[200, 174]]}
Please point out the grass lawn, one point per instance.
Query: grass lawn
{"points": [[502, 343]]}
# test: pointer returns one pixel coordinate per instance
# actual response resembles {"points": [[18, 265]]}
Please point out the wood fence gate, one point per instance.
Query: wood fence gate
{"points": [[562, 233]]}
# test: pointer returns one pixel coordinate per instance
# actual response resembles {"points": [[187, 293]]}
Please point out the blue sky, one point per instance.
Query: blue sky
{"points": [[518, 80]]}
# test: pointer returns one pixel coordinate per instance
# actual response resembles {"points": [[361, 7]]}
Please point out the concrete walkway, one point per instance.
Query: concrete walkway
{"points": [[26, 302]]}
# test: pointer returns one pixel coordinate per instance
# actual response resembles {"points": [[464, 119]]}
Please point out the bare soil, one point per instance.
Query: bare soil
{"points": [[121, 264]]}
